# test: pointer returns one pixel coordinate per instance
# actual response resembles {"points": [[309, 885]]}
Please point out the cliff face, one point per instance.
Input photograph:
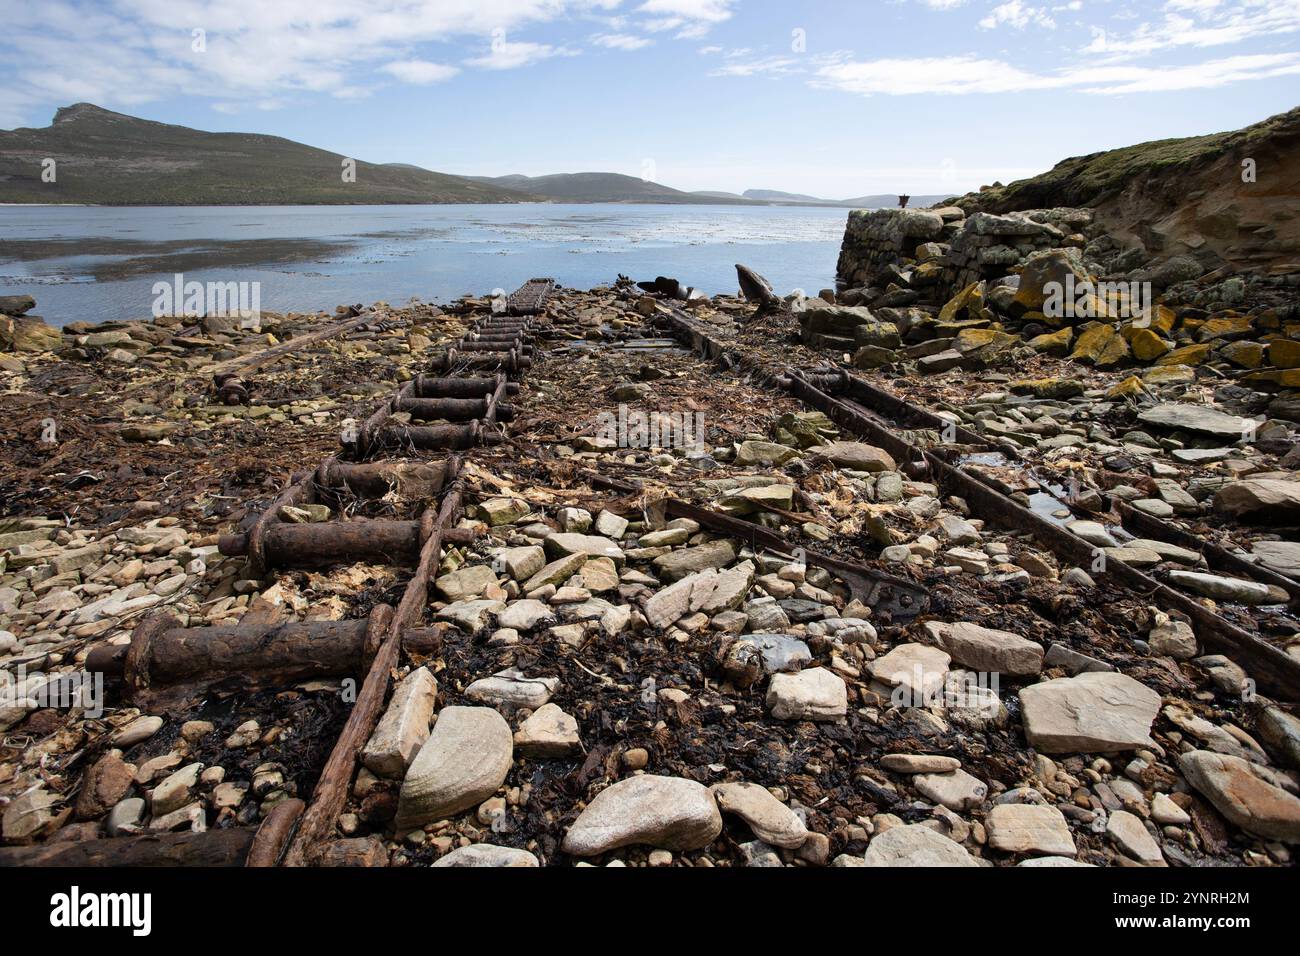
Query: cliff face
{"points": [[1188, 196]]}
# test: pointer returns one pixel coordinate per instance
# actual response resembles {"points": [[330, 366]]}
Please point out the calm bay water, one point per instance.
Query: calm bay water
{"points": [[100, 263]]}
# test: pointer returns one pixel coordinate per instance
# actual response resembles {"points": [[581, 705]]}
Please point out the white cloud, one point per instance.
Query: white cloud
{"points": [[621, 41], [510, 55], [420, 72], [1017, 15], [691, 19], [963, 75], [125, 52], [768, 65]]}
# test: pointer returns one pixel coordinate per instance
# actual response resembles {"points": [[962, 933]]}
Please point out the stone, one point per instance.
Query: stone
{"points": [[1127, 832], [404, 727], [487, 855], [611, 525], [512, 689], [1265, 499], [555, 573], [1164, 811], [1094, 532], [919, 763], [599, 575], [957, 790], [588, 545], [1094, 712], [763, 453], [1028, 828], [1046, 861], [28, 815], [105, 784], [466, 583], [770, 819], [686, 596], [730, 588], [1196, 418], [681, 563], [669, 537], [28, 334], [471, 617], [856, 456], [1234, 590], [1172, 638], [174, 792], [992, 651], [1282, 556], [814, 694], [548, 733], [525, 615], [521, 563], [464, 761], [916, 671], [915, 845], [138, 730], [1242, 796], [577, 520], [753, 654], [125, 817], [499, 511], [668, 813]]}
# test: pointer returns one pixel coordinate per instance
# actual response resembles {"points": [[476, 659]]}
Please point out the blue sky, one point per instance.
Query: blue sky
{"points": [[835, 99]]}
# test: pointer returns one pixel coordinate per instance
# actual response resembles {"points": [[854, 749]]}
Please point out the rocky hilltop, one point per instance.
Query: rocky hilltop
{"points": [[1228, 199]]}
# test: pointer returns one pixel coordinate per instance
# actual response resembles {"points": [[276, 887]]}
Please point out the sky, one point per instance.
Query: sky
{"points": [[832, 99]]}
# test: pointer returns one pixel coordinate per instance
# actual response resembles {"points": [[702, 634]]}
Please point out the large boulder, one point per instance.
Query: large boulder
{"points": [[1095, 712], [29, 334], [1241, 795], [464, 761], [1265, 499], [671, 813]]}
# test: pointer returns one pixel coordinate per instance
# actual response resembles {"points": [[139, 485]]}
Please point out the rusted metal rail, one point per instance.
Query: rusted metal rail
{"points": [[165, 663], [1274, 670]]}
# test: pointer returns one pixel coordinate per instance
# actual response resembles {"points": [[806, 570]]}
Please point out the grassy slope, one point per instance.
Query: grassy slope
{"points": [[1091, 180], [110, 158]]}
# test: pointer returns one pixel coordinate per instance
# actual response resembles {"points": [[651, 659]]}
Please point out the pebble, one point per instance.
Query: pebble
{"points": [[770, 819]]}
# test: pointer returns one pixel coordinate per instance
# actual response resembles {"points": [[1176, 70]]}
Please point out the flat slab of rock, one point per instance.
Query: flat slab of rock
{"points": [[856, 456], [512, 688], [1196, 418], [916, 671], [765, 654], [1028, 828], [915, 845], [548, 733], [814, 694], [685, 561], [465, 583], [992, 651], [1234, 590], [487, 855], [525, 615], [470, 616], [1095, 712], [919, 763], [404, 728], [591, 545], [1243, 797], [669, 813], [1259, 498], [957, 790], [770, 819], [1282, 556], [1127, 832], [464, 761], [556, 573]]}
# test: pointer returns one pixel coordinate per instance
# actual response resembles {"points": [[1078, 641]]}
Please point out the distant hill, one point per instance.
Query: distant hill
{"points": [[113, 159], [860, 202], [599, 187], [1189, 196]]}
